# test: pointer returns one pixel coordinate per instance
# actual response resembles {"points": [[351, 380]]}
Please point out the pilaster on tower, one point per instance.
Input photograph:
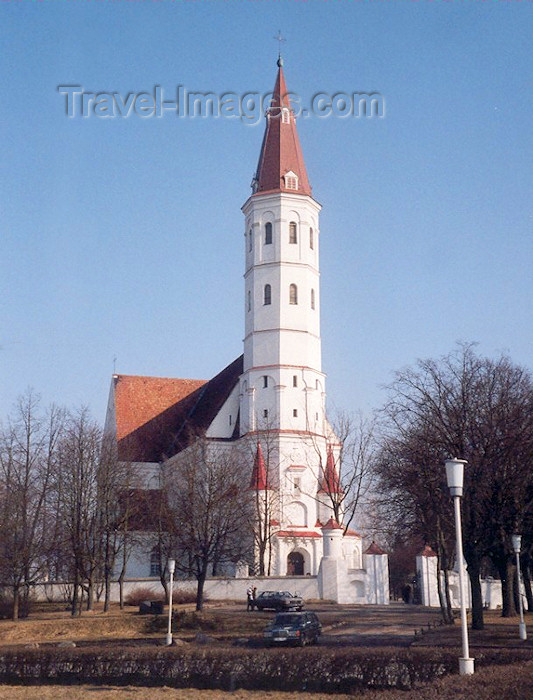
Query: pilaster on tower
{"points": [[283, 386]]}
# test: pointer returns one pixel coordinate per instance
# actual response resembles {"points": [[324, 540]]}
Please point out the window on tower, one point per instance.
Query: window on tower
{"points": [[267, 295], [295, 413], [293, 294], [293, 232], [265, 381], [250, 240], [268, 233], [311, 239], [312, 298], [265, 413], [249, 301], [294, 380]]}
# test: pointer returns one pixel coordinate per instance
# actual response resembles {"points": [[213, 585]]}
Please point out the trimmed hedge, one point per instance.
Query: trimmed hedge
{"points": [[313, 669]]}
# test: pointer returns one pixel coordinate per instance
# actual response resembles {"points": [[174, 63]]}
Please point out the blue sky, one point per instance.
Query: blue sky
{"points": [[123, 237]]}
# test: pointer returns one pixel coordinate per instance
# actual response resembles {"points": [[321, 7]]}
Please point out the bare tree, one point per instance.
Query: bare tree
{"points": [[470, 407], [77, 482], [27, 455], [205, 496], [260, 457]]}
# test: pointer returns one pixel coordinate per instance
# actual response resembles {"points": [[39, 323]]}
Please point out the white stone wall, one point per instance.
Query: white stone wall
{"points": [[426, 567]]}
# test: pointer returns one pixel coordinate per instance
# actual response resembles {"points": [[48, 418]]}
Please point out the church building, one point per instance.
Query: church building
{"points": [[272, 398]]}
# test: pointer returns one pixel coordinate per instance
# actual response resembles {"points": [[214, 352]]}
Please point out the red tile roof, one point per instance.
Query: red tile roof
{"points": [[156, 417], [330, 482], [297, 533], [281, 151], [259, 482], [139, 400], [375, 549], [332, 524], [427, 552], [352, 533]]}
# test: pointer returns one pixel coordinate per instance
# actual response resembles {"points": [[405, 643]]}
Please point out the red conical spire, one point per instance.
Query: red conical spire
{"points": [[281, 166], [330, 481], [258, 482]]}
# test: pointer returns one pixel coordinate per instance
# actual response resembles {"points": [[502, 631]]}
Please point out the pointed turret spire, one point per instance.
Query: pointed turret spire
{"points": [[281, 166], [330, 481], [259, 482]]}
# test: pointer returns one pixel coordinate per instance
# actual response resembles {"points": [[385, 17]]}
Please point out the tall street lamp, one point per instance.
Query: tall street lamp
{"points": [[454, 476], [171, 567], [517, 541]]}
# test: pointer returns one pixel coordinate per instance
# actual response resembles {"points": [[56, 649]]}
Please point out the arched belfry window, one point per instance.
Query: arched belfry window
{"points": [[249, 301], [293, 232], [311, 239], [312, 298], [267, 296], [268, 233], [250, 240], [293, 294]]}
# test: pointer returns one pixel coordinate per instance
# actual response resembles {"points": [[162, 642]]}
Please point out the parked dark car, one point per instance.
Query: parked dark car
{"points": [[278, 600], [298, 628]]}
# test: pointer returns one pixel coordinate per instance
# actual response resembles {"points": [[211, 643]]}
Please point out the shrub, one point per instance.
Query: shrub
{"points": [[142, 593], [183, 597], [313, 669]]}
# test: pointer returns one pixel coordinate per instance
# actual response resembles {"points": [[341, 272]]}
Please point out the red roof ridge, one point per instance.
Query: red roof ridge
{"points": [[428, 552]]}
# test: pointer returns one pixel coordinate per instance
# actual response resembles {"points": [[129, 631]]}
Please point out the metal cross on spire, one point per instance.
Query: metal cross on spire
{"points": [[279, 38]]}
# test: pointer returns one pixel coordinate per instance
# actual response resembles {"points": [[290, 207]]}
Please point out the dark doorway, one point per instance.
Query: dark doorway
{"points": [[295, 564]]}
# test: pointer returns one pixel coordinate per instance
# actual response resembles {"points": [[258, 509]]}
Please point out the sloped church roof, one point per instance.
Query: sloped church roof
{"points": [[155, 417]]}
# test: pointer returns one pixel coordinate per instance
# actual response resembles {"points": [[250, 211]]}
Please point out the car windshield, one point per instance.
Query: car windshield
{"points": [[287, 619]]}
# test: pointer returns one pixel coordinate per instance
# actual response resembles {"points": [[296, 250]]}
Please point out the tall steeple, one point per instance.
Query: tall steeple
{"points": [[282, 384], [281, 166]]}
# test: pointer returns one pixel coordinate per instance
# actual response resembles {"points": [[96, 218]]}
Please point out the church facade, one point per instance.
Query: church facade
{"points": [[272, 399]]}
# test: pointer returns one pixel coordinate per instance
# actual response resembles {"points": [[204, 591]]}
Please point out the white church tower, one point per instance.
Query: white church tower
{"points": [[282, 391], [284, 384]]}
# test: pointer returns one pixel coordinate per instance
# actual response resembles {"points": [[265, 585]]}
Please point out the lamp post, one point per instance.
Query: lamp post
{"points": [[171, 567], [454, 476], [517, 541]]}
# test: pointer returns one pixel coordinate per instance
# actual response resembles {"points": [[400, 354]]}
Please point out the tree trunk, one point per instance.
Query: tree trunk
{"points": [[90, 595], [445, 608], [473, 569], [507, 576], [75, 594], [527, 585], [200, 588], [16, 602], [107, 596]]}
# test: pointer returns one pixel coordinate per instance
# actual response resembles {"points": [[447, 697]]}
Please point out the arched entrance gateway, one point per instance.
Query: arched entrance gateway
{"points": [[295, 564]]}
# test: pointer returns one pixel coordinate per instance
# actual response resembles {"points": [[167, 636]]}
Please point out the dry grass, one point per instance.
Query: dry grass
{"points": [[57, 626]]}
